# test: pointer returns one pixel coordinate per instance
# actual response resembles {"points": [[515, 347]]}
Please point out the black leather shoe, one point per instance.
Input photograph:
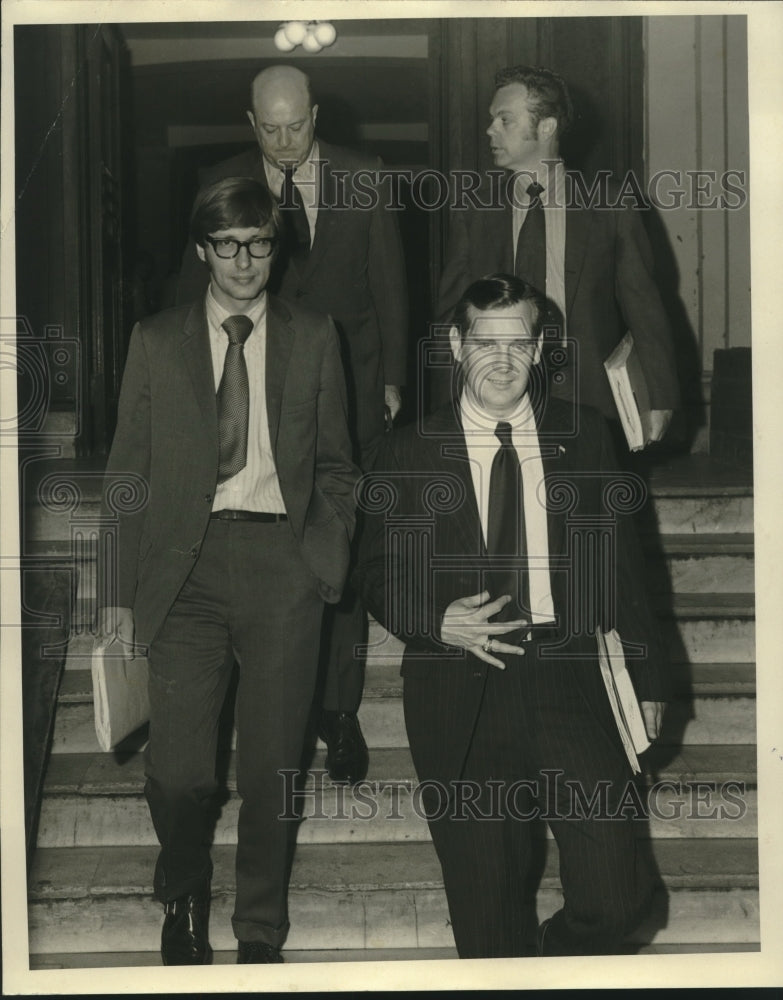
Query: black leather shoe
{"points": [[184, 938], [257, 952], [346, 752]]}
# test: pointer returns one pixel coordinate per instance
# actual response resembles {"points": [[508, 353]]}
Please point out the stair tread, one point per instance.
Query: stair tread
{"points": [[708, 543], [76, 872], [697, 473], [695, 605], [294, 956], [383, 680], [104, 774]]}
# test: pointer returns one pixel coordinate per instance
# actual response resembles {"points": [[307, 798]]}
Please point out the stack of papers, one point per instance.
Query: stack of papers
{"points": [[629, 388], [622, 697], [120, 693]]}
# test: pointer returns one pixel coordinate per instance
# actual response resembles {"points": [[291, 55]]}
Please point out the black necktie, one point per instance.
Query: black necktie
{"points": [[530, 261], [292, 207], [233, 399], [506, 526]]}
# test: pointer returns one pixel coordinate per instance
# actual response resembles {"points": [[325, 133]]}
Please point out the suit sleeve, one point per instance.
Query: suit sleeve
{"points": [[396, 588], [126, 482], [635, 619], [335, 473], [389, 289], [643, 311], [456, 274]]}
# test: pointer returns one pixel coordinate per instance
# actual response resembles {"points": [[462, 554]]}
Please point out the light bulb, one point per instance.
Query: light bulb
{"points": [[295, 32], [311, 43], [325, 33], [281, 41]]}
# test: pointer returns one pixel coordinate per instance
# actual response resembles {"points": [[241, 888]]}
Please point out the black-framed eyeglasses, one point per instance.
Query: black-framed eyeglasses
{"points": [[225, 247]]}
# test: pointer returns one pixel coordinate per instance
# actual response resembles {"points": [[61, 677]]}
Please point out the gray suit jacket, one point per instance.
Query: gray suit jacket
{"points": [[167, 438], [609, 289]]}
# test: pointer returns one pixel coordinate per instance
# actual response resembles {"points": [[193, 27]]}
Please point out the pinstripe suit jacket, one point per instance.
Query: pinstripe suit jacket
{"points": [[422, 548]]}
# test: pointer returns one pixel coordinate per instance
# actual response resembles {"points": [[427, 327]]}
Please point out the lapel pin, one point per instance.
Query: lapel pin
{"points": [[561, 449]]}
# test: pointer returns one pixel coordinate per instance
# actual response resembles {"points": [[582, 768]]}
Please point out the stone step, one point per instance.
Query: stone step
{"points": [[365, 896], [703, 719], [703, 563], [61, 502], [141, 959], [695, 628], [383, 679], [679, 564], [699, 514], [710, 639], [96, 799], [117, 774]]}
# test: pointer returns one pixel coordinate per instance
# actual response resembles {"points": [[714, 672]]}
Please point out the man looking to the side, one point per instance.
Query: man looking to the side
{"points": [[592, 260], [345, 260], [481, 563], [233, 412]]}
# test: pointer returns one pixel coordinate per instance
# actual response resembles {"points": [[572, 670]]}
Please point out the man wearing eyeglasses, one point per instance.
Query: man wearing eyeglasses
{"points": [[233, 412], [343, 256], [492, 549]]}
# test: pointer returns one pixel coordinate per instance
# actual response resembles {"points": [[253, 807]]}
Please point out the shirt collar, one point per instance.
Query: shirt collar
{"points": [[216, 313], [306, 170], [551, 177], [476, 421]]}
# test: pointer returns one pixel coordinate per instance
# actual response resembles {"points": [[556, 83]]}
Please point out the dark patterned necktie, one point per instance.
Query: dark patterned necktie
{"points": [[233, 399], [530, 261], [506, 526], [292, 207]]}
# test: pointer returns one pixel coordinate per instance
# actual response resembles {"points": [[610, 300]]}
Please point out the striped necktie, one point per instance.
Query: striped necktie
{"points": [[233, 399]]}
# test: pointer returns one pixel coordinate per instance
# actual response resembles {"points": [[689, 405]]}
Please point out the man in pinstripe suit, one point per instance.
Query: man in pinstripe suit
{"points": [[506, 712]]}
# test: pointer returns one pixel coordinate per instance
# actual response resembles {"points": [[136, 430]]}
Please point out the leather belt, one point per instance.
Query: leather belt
{"points": [[247, 515]]}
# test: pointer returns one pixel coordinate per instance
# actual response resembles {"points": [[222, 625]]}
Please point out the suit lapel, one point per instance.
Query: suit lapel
{"points": [[326, 218], [197, 356], [578, 222], [556, 461], [279, 344], [450, 453]]}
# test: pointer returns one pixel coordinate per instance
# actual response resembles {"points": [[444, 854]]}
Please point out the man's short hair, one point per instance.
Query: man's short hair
{"points": [[234, 203], [548, 95], [498, 291]]}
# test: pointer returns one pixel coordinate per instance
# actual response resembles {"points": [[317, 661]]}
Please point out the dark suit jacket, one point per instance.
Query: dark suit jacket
{"points": [[609, 289], [355, 273], [422, 485], [167, 436]]}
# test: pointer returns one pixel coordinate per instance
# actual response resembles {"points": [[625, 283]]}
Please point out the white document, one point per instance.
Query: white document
{"points": [[120, 695], [622, 697], [629, 388]]}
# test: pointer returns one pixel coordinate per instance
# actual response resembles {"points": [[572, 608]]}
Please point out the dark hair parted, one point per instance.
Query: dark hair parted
{"points": [[234, 203], [498, 291], [548, 95]]}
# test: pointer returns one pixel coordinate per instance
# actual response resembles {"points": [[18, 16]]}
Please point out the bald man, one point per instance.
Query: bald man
{"points": [[346, 262]]}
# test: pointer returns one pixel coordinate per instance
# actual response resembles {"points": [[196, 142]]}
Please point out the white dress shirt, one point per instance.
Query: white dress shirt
{"points": [[482, 445], [553, 199], [255, 487], [307, 179]]}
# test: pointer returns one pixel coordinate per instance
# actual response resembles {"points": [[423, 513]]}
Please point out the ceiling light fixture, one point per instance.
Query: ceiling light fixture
{"points": [[311, 35]]}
